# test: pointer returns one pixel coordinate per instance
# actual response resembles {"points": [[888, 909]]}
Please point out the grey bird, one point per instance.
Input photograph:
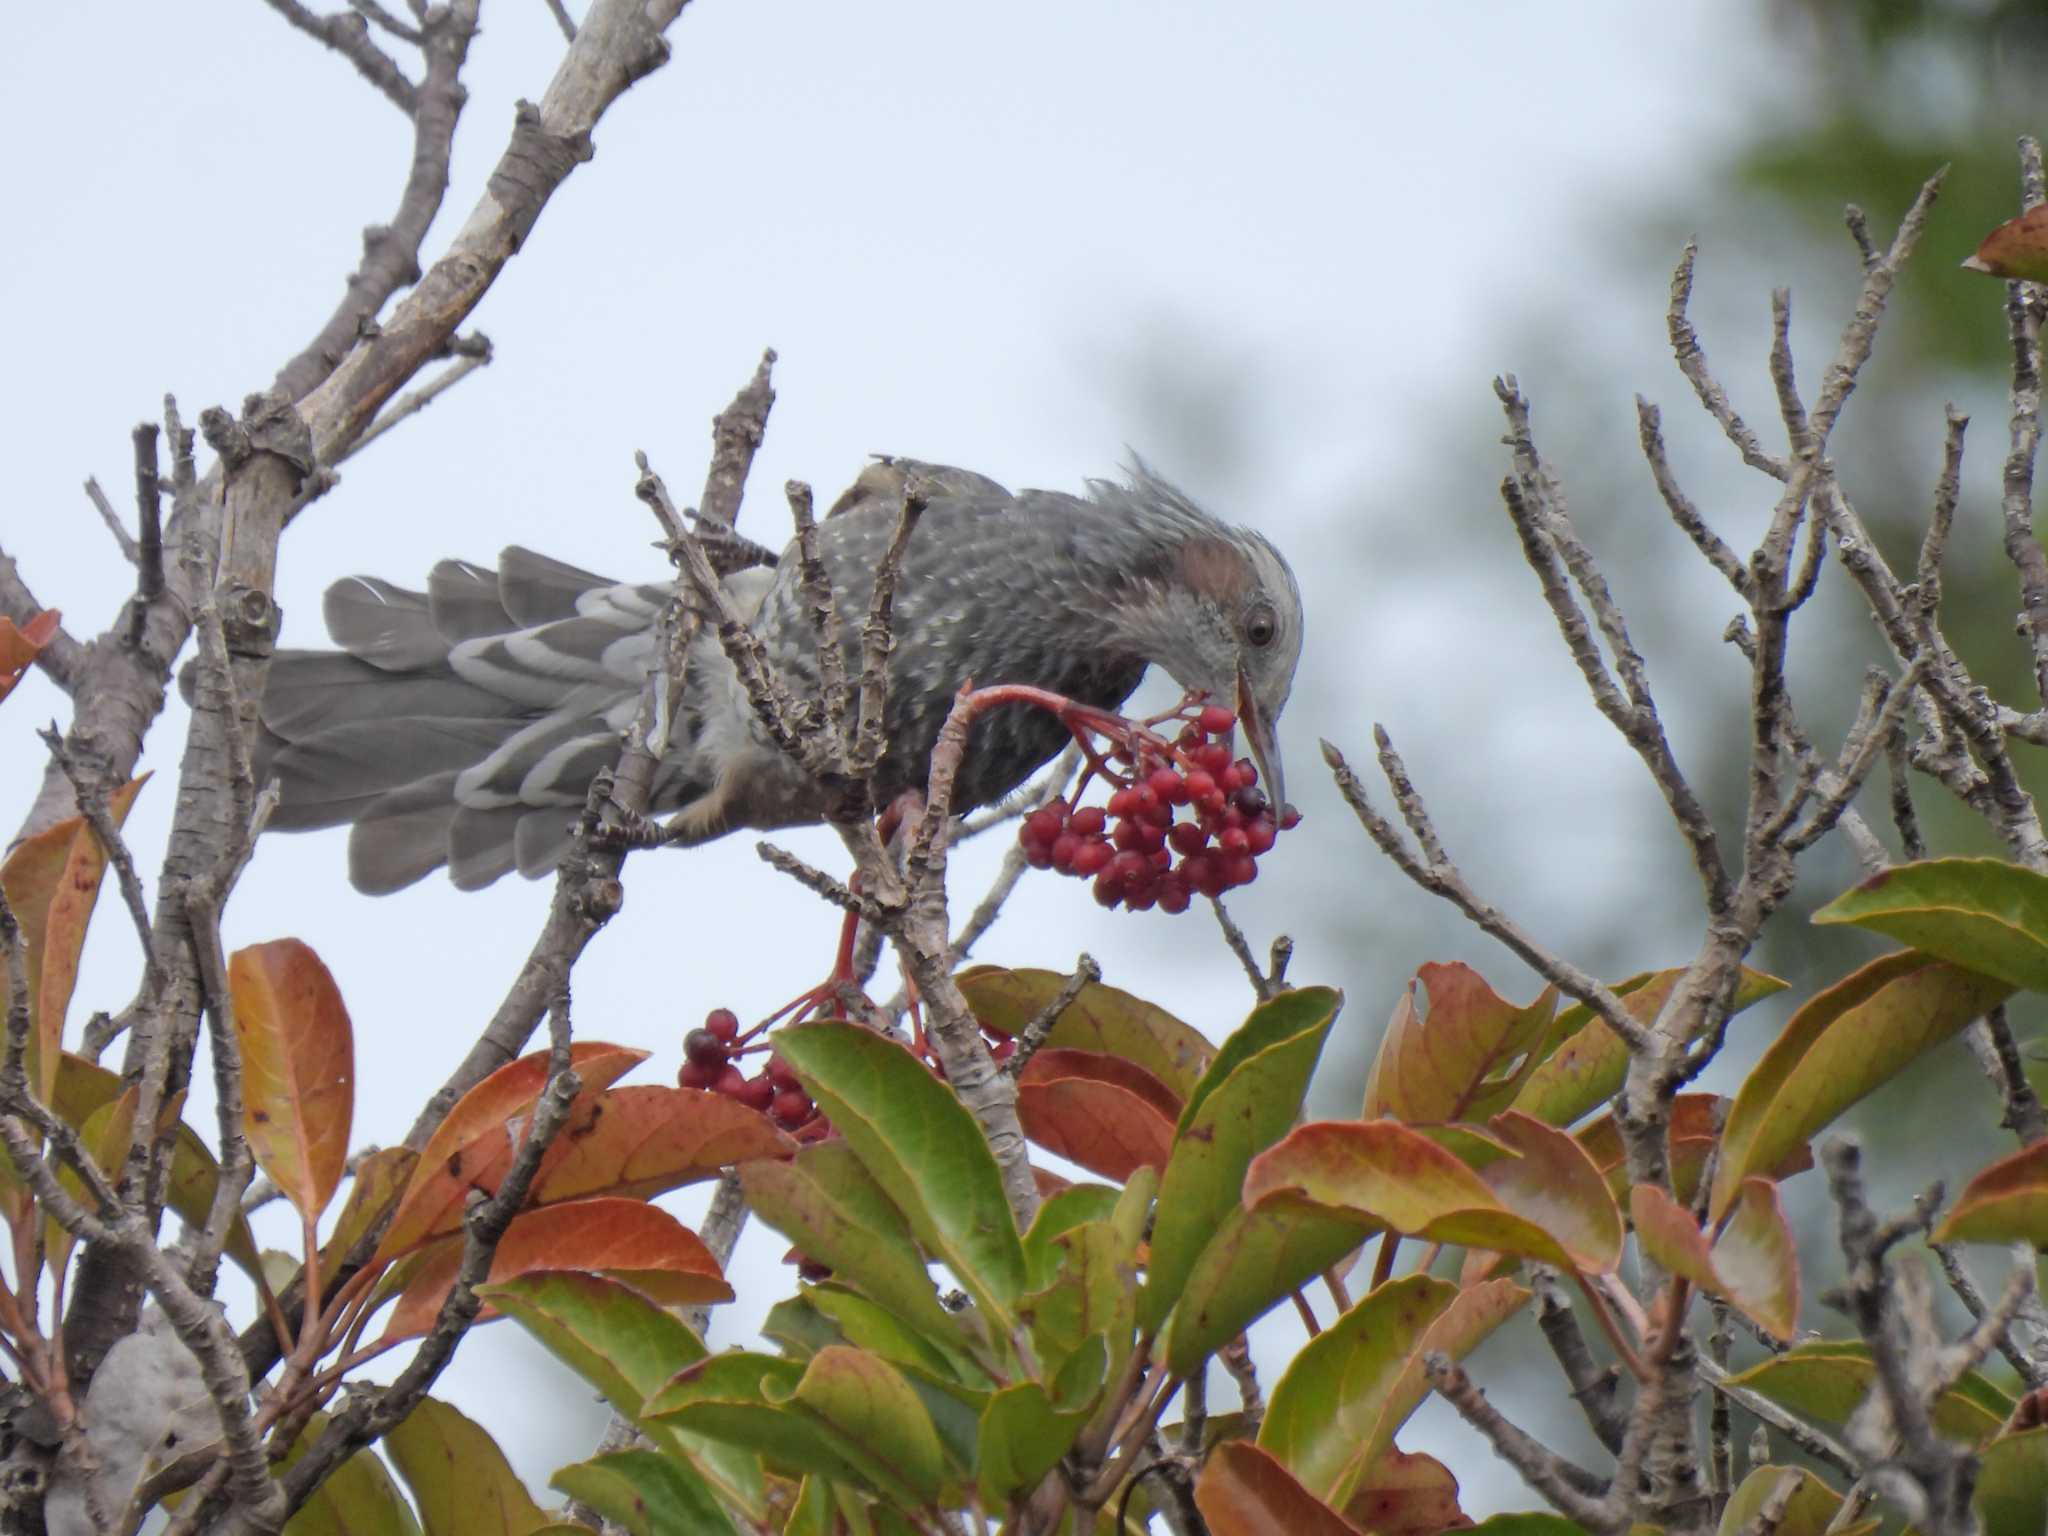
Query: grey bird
{"points": [[463, 725]]}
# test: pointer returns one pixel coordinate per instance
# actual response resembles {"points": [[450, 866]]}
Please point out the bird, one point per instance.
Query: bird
{"points": [[463, 725]]}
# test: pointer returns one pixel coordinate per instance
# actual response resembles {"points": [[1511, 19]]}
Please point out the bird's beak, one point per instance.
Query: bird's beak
{"points": [[1265, 747]]}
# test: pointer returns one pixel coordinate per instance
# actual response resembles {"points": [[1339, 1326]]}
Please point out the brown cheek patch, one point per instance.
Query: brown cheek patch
{"points": [[1214, 569]]}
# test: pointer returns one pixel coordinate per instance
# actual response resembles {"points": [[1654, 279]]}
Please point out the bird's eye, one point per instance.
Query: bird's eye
{"points": [[1260, 626]]}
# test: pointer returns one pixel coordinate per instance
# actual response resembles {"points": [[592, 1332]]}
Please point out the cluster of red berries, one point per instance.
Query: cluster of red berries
{"points": [[709, 1063], [1128, 846]]}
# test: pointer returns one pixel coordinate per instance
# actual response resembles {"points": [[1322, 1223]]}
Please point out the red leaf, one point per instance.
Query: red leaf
{"points": [[645, 1139], [20, 647], [1102, 1067], [1106, 1128]]}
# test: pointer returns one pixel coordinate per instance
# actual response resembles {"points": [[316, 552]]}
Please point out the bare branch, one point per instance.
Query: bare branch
{"points": [[1443, 879], [1692, 362], [123, 539], [349, 35]]}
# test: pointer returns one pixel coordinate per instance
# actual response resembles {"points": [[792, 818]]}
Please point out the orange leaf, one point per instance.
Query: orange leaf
{"points": [[638, 1244], [298, 1068], [52, 881], [2018, 248], [1466, 1058], [20, 647], [1105, 1112], [647, 1138], [2005, 1202], [1101, 1066], [472, 1147], [1407, 1495], [1753, 1264], [1244, 1491]]}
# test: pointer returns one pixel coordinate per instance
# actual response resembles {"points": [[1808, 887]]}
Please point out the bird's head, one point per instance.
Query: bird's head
{"points": [[1216, 606]]}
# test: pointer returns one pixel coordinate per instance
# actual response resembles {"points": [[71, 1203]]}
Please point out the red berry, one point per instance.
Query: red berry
{"points": [[1092, 857], [1150, 837], [1168, 785], [1003, 1050], [1043, 825], [1215, 757], [1161, 859], [704, 1049], [791, 1107], [1129, 866], [1240, 869], [1145, 803], [1259, 834], [1064, 847], [1247, 771], [1201, 784], [1215, 720], [1173, 894], [756, 1093], [1290, 818], [1251, 800], [1109, 888], [1187, 837], [1139, 898], [1038, 855], [694, 1076], [814, 1272], [1087, 821], [1232, 779], [723, 1023], [1204, 874], [732, 1082], [1234, 840], [778, 1072], [1123, 802]]}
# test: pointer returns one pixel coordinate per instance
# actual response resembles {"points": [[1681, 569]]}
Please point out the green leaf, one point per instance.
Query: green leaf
{"points": [[357, 1499], [1810, 1510], [1335, 1410], [872, 1326], [1242, 1105], [646, 1492], [1059, 1213], [1022, 1438], [922, 1146], [1099, 1019], [1826, 1380], [1584, 1060], [2012, 1471], [460, 1481], [1255, 1259], [1094, 1294], [1981, 914], [1842, 1044], [865, 1399], [745, 1398], [807, 1201], [1535, 1523], [627, 1348]]}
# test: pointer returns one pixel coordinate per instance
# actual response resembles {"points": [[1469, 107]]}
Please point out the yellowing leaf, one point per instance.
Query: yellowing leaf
{"points": [[1981, 914], [1463, 1058], [1844, 1042], [2006, 1202], [1246, 1491]]}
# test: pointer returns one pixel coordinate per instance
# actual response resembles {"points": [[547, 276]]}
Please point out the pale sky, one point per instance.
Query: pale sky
{"points": [[960, 225]]}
